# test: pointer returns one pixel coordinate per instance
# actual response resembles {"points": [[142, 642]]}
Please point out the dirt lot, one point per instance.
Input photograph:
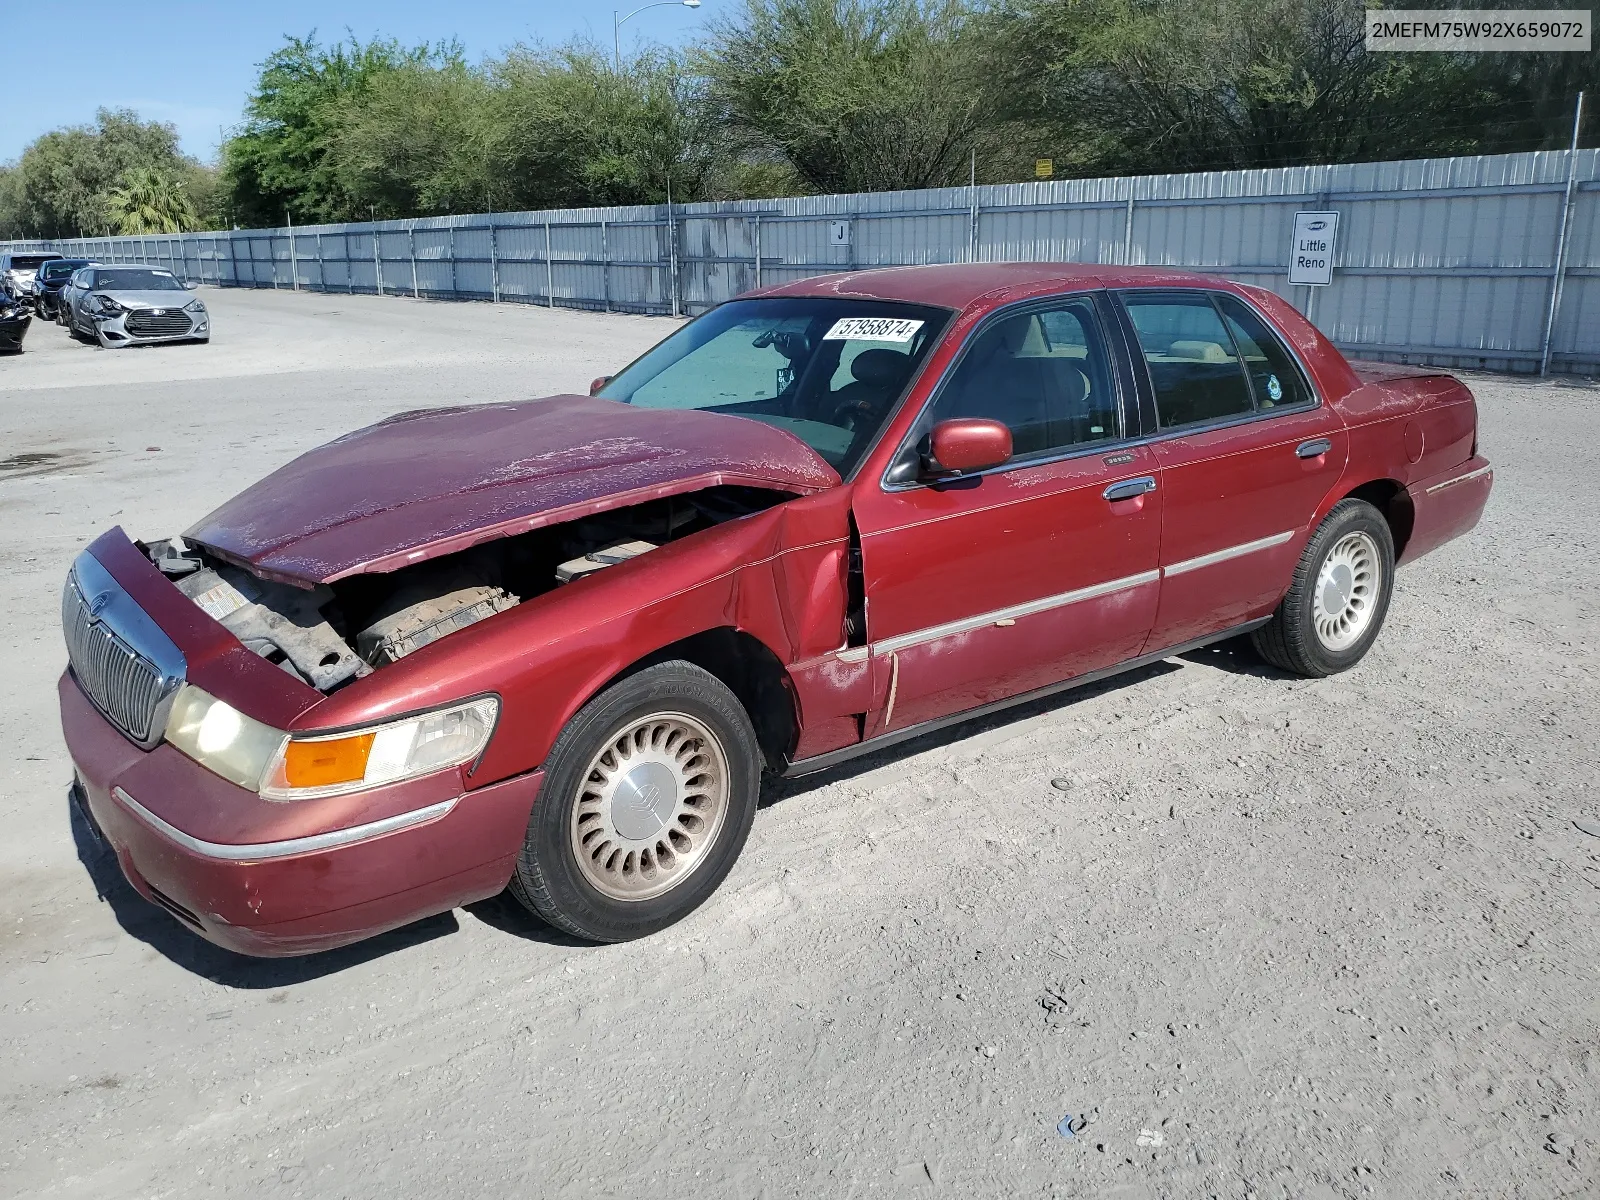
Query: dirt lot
{"points": [[1274, 937]]}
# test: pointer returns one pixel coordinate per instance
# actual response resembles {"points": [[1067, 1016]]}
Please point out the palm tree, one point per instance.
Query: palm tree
{"points": [[148, 200]]}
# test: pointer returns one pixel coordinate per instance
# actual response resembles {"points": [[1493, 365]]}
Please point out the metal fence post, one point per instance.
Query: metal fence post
{"points": [[453, 294], [411, 242], [322, 267], [1127, 230], [294, 263], [549, 271], [605, 265], [494, 266], [1558, 273], [233, 260], [758, 249], [672, 257], [377, 259]]}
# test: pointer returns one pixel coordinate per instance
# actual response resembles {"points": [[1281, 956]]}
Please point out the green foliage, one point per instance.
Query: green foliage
{"points": [[61, 184], [149, 200], [1168, 85], [565, 128], [795, 95], [282, 160], [857, 95]]}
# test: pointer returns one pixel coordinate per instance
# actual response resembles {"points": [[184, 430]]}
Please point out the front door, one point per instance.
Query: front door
{"points": [[1039, 570], [1245, 455]]}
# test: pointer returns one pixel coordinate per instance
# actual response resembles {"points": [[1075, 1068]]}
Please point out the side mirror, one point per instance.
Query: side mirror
{"points": [[964, 445], [597, 383], [190, 285]]}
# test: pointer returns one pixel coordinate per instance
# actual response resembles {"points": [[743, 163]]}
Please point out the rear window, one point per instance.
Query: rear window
{"points": [[30, 262], [59, 269]]}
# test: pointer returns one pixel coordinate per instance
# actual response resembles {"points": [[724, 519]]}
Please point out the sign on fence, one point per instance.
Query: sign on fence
{"points": [[1311, 251], [838, 233]]}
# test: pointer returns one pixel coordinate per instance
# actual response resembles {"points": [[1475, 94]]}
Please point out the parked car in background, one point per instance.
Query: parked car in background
{"points": [[14, 321], [132, 306], [553, 644], [50, 281], [17, 269]]}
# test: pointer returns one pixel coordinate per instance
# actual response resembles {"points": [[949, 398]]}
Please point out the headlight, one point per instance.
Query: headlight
{"points": [[108, 306], [194, 306], [308, 767], [244, 751], [221, 738]]}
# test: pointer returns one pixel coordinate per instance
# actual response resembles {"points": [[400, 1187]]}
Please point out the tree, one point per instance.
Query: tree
{"points": [[566, 128], [858, 95], [1172, 85], [148, 200], [283, 158], [59, 186], [414, 141]]}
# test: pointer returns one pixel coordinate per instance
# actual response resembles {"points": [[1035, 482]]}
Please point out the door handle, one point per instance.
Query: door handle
{"points": [[1315, 448], [1129, 488]]}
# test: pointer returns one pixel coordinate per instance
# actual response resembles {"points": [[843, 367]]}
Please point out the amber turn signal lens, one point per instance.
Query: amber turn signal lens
{"points": [[320, 764]]}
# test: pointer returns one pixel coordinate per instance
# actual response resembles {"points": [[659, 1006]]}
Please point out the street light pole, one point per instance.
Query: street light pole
{"points": [[618, 22]]}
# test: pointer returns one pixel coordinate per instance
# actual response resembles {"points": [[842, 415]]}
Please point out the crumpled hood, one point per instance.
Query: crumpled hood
{"points": [[424, 484]]}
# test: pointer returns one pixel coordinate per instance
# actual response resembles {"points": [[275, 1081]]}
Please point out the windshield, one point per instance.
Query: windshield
{"points": [[59, 268], [136, 279], [826, 369]]}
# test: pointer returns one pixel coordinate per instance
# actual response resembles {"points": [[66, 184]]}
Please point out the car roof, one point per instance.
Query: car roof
{"points": [[961, 285]]}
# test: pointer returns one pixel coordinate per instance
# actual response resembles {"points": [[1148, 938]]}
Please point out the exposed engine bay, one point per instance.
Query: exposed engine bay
{"points": [[330, 634]]}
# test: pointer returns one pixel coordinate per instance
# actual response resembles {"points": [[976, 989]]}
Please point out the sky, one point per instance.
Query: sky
{"points": [[194, 65]]}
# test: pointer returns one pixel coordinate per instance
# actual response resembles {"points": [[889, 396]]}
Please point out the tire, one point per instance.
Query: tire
{"points": [[1350, 558], [648, 796]]}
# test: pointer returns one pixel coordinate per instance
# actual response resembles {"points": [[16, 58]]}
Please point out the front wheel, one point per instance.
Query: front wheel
{"points": [[1338, 598], [648, 796]]}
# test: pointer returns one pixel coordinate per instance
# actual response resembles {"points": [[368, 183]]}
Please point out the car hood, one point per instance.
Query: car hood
{"points": [[423, 484], [171, 300]]}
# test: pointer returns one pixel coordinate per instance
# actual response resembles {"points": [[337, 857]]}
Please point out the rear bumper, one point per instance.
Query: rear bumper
{"points": [[273, 896], [1446, 506]]}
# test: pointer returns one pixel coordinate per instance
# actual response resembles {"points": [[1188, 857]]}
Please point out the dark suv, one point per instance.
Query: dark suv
{"points": [[48, 284]]}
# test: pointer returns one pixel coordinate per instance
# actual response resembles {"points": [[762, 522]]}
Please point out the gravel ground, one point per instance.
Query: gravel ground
{"points": [[1272, 937]]}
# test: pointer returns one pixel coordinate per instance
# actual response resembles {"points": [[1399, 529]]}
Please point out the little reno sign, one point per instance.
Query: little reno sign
{"points": [[1311, 255]]}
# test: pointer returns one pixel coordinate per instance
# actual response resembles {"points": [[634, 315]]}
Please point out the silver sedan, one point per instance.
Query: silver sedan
{"points": [[132, 306]]}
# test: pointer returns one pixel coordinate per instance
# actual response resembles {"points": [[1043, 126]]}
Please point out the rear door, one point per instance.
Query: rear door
{"points": [[1245, 450], [1044, 568]]}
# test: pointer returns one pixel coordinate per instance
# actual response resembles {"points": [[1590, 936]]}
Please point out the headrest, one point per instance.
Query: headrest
{"points": [[1196, 351], [880, 368]]}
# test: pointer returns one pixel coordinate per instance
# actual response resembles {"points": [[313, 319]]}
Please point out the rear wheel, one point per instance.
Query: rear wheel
{"points": [[1338, 598], [648, 796]]}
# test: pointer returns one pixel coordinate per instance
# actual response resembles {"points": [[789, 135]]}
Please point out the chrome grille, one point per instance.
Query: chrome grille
{"points": [[165, 322], [127, 687]]}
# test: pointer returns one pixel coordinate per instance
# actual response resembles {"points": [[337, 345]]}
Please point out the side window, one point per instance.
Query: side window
{"points": [[1273, 373], [1193, 364], [1044, 373]]}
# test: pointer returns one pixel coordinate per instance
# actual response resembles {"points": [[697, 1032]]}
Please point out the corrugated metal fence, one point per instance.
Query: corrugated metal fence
{"points": [[1450, 261]]}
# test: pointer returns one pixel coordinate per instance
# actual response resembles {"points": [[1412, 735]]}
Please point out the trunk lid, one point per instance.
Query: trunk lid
{"points": [[424, 484]]}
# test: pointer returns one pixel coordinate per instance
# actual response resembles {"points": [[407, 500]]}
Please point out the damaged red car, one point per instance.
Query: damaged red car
{"points": [[553, 645]]}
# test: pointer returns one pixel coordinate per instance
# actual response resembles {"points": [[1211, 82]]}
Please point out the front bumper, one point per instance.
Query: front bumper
{"points": [[246, 887], [12, 331], [143, 327]]}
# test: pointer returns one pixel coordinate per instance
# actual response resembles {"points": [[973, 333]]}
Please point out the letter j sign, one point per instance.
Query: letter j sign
{"points": [[1311, 253]]}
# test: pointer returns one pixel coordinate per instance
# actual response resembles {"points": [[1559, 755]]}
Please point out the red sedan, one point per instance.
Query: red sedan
{"points": [[552, 645]]}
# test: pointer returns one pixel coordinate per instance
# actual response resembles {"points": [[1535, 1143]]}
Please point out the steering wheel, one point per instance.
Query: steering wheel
{"points": [[855, 415], [791, 343]]}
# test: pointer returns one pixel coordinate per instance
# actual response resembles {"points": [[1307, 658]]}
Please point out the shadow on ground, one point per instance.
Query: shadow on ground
{"points": [[165, 934]]}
